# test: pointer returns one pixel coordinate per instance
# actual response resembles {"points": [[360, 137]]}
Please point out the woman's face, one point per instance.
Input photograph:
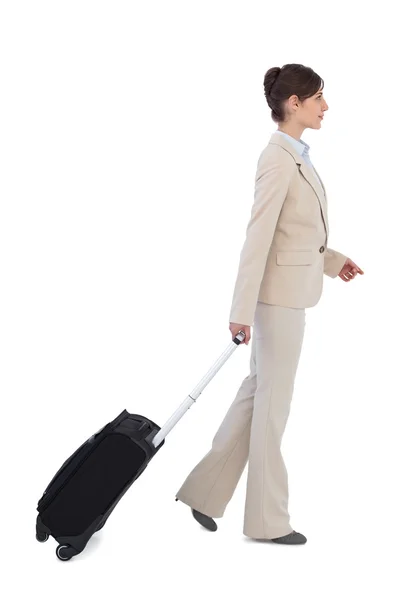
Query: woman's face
{"points": [[311, 111]]}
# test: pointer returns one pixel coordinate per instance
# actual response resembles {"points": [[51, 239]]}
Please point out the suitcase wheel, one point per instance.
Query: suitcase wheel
{"points": [[65, 552], [41, 536]]}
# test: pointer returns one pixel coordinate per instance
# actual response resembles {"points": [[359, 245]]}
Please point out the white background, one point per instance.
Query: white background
{"points": [[130, 133]]}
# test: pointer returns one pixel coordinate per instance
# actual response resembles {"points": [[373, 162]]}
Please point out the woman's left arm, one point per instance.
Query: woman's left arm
{"points": [[333, 262], [336, 263]]}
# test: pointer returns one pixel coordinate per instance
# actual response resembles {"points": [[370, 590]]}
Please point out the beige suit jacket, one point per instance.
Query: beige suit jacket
{"points": [[285, 253]]}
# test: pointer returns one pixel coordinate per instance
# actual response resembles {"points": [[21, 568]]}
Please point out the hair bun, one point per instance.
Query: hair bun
{"points": [[270, 78]]}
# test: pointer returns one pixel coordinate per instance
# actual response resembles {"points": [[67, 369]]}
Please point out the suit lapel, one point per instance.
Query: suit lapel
{"points": [[323, 187], [318, 188], [307, 173]]}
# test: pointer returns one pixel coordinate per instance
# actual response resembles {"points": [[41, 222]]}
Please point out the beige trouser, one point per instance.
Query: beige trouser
{"points": [[252, 431]]}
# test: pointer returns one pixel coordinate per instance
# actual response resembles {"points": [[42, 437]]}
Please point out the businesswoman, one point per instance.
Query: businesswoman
{"points": [[282, 263]]}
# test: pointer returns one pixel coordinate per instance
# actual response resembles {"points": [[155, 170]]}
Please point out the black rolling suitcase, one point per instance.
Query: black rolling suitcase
{"points": [[83, 493]]}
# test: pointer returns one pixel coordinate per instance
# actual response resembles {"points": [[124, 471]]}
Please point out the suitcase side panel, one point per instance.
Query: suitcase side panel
{"points": [[99, 481], [73, 461], [94, 486]]}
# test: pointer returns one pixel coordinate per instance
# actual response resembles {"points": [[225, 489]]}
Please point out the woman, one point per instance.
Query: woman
{"points": [[281, 268]]}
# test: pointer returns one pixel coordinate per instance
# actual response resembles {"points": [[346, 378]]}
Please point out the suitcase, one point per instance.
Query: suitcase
{"points": [[85, 490]]}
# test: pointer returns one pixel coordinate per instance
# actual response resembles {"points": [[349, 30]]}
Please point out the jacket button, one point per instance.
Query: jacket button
{"points": [[321, 249]]}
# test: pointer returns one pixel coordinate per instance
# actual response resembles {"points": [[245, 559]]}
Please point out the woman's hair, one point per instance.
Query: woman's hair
{"points": [[281, 83]]}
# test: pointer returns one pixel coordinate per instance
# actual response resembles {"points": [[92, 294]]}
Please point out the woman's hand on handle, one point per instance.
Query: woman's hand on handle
{"points": [[234, 328]]}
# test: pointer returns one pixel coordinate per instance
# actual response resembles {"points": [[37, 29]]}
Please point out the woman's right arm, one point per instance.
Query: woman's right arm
{"points": [[274, 171]]}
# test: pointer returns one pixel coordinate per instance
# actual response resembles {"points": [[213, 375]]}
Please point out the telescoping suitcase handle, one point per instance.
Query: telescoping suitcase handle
{"points": [[192, 397]]}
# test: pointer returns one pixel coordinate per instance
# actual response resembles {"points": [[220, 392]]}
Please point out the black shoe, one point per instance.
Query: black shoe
{"points": [[204, 520], [291, 538]]}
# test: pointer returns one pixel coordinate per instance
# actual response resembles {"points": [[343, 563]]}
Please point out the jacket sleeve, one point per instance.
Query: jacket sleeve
{"points": [[333, 262], [274, 172]]}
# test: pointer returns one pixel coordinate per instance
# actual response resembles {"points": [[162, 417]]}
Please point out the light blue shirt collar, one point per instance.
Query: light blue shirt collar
{"points": [[301, 147]]}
